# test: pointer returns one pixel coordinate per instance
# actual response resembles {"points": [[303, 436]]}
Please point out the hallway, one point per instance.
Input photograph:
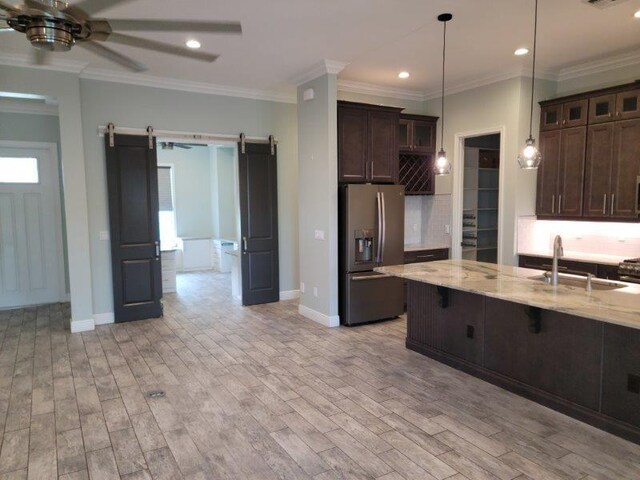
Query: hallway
{"points": [[263, 393]]}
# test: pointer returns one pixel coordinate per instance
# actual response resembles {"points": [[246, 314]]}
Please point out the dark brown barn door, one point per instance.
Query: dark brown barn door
{"points": [[259, 223], [132, 179]]}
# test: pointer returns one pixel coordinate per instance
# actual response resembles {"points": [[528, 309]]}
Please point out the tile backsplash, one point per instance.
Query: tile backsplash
{"points": [[426, 219], [602, 238]]}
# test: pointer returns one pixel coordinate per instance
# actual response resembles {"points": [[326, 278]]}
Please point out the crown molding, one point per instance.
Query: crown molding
{"points": [[321, 68], [9, 105], [56, 65], [371, 89], [604, 64], [185, 85]]}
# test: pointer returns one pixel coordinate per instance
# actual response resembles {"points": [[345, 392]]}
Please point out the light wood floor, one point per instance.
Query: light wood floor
{"points": [[261, 393]]}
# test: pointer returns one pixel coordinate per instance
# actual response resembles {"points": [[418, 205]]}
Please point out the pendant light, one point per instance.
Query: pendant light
{"points": [[443, 165], [530, 157]]}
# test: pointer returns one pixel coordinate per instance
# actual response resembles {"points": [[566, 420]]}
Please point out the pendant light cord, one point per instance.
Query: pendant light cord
{"points": [[444, 53], [533, 73]]}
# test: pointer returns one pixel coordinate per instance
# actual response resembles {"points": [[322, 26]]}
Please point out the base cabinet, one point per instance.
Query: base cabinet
{"points": [[621, 374], [538, 347], [584, 368]]}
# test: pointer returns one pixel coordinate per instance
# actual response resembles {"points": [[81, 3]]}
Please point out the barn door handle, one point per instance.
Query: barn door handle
{"points": [[244, 245], [157, 249]]}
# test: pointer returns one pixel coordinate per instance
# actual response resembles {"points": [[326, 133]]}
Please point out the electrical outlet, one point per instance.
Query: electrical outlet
{"points": [[315, 291], [301, 287], [415, 227], [447, 229]]}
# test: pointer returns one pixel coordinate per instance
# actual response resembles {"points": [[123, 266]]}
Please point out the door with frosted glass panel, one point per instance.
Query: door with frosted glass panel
{"points": [[31, 258]]}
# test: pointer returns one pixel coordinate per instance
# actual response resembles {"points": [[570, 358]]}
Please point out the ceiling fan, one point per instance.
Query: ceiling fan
{"points": [[56, 26], [184, 146]]}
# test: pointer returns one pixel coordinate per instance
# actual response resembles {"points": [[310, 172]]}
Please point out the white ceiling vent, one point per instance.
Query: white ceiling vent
{"points": [[602, 4]]}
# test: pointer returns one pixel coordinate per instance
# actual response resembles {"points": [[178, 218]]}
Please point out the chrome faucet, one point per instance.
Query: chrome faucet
{"points": [[558, 252]]}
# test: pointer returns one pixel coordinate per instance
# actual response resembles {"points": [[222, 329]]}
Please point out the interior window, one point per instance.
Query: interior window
{"points": [[167, 217], [19, 170]]}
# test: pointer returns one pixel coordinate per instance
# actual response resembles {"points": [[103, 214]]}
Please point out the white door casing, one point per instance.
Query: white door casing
{"points": [[31, 254]]}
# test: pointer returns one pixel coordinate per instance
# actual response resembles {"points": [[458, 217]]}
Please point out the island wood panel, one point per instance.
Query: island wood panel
{"points": [[538, 347], [455, 326]]}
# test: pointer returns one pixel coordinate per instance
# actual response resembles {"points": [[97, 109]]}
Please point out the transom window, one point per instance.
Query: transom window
{"points": [[19, 170]]}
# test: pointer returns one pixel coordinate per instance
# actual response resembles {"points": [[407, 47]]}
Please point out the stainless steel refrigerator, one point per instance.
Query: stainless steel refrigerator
{"points": [[371, 233]]}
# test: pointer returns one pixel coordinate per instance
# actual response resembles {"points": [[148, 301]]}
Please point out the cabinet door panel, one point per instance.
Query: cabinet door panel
{"points": [[628, 105], [352, 145], [602, 109], [572, 153], [545, 360], [597, 186], [548, 173], [405, 131], [574, 114], [383, 146], [621, 374], [626, 170], [551, 117], [424, 136]]}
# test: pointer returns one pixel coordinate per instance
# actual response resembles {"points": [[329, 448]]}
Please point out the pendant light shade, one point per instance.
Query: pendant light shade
{"points": [[443, 165], [530, 157]]}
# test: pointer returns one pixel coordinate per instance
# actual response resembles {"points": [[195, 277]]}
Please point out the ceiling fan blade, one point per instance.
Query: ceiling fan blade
{"points": [[160, 47], [7, 7], [6, 29], [175, 26], [92, 7], [113, 56]]}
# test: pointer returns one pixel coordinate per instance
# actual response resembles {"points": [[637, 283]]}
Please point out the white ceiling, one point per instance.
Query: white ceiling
{"points": [[376, 38]]}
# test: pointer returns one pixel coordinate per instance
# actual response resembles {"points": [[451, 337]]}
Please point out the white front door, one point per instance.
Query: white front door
{"points": [[31, 258]]}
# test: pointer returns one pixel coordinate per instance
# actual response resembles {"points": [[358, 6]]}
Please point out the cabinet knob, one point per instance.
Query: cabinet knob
{"points": [[564, 122]]}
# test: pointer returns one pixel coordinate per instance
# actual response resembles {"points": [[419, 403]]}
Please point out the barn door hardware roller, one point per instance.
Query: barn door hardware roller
{"points": [[243, 146], [272, 144], [150, 133], [111, 129]]}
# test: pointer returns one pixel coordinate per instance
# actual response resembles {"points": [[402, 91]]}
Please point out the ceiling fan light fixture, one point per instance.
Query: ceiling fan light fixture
{"points": [[193, 44]]}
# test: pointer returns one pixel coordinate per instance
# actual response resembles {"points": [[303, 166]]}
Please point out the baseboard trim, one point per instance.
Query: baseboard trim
{"points": [[289, 294], [321, 318], [103, 318], [78, 326]]}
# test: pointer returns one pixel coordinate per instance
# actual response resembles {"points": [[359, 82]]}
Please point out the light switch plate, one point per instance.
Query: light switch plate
{"points": [[104, 235], [319, 235]]}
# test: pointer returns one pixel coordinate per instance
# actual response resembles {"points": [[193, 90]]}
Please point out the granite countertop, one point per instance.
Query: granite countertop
{"points": [[514, 284], [415, 247], [581, 257]]}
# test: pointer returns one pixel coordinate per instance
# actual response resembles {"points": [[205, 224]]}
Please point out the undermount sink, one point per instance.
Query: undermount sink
{"points": [[581, 282]]}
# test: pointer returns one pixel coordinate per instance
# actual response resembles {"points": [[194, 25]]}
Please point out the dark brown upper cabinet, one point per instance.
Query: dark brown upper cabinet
{"points": [[417, 134], [591, 156], [628, 105], [367, 143], [560, 176], [602, 109]]}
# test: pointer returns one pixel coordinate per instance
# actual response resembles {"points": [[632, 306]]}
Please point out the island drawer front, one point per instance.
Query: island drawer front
{"points": [[456, 329], [418, 256], [538, 348], [621, 374]]}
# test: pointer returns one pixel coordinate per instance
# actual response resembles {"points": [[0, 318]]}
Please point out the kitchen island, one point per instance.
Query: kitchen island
{"points": [[575, 351]]}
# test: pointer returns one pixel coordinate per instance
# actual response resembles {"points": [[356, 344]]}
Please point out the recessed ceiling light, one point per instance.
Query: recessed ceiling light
{"points": [[404, 75], [195, 44], [521, 51], [637, 14]]}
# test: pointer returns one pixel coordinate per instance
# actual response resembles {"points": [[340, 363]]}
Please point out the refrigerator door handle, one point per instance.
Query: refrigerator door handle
{"points": [[384, 227], [379, 245]]}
